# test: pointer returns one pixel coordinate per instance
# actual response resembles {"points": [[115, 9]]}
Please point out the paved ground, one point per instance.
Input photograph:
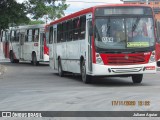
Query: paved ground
{"points": [[1, 54], [27, 88]]}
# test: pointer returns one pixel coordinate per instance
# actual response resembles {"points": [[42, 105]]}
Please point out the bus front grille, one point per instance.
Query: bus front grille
{"points": [[125, 60]]}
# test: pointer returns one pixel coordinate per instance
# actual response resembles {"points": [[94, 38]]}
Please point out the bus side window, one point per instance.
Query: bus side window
{"points": [[61, 33], [51, 35], [75, 28], [158, 31], [58, 33], [17, 36], [26, 36], [47, 37], [82, 27], [64, 31], [36, 35], [13, 36], [70, 30], [33, 35], [30, 35]]}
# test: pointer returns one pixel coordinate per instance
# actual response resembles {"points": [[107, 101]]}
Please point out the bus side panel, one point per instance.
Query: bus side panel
{"points": [[73, 56], [15, 49], [82, 50], [61, 52], [25, 51], [30, 47], [51, 53], [36, 49]]}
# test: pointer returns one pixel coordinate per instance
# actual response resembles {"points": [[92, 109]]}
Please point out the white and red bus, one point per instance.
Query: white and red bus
{"points": [[28, 43], [107, 40], [4, 42]]}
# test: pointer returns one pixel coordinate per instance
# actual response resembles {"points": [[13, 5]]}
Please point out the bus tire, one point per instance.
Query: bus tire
{"points": [[12, 60], [34, 59], [16, 61], [137, 78], [60, 70], [158, 63], [85, 78]]}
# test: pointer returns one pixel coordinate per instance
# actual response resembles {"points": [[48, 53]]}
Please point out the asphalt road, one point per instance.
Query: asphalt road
{"points": [[24, 87]]}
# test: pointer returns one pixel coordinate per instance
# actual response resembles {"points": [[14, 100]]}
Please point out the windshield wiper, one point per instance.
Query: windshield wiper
{"points": [[134, 26]]}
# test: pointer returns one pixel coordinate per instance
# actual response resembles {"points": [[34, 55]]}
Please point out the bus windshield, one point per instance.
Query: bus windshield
{"points": [[124, 33]]}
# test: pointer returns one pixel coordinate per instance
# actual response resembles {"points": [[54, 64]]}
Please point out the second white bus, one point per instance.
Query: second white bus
{"points": [[28, 43]]}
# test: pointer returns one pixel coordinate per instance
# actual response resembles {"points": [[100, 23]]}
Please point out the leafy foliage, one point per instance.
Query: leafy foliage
{"points": [[12, 12], [53, 8]]}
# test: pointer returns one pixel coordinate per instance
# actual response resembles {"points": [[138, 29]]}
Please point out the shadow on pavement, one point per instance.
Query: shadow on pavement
{"points": [[23, 64], [105, 81]]}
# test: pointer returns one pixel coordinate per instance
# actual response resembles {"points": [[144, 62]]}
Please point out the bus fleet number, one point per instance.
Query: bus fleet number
{"points": [[107, 39]]}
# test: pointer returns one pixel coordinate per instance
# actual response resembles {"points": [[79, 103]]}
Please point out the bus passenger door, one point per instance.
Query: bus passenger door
{"points": [[21, 49], [41, 45], [89, 44], [55, 48]]}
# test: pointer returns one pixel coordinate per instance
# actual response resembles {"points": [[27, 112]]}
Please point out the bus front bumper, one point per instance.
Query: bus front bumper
{"points": [[102, 70]]}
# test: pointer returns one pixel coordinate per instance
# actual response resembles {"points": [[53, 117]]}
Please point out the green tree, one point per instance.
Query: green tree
{"points": [[53, 8], [12, 12]]}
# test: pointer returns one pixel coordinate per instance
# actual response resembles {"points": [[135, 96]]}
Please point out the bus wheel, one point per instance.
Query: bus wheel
{"points": [[158, 63], [85, 78], [137, 78], [34, 59], [16, 61], [12, 57], [60, 71]]}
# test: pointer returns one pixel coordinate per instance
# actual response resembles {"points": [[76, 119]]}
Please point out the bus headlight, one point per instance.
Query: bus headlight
{"points": [[152, 57], [99, 59]]}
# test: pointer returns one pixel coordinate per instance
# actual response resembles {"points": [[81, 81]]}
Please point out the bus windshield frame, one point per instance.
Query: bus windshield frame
{"points": [[121, 33]]}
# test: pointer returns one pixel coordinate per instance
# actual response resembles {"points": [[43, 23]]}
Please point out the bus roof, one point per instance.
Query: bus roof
{"points": [[91, 9], [28, 26]]}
